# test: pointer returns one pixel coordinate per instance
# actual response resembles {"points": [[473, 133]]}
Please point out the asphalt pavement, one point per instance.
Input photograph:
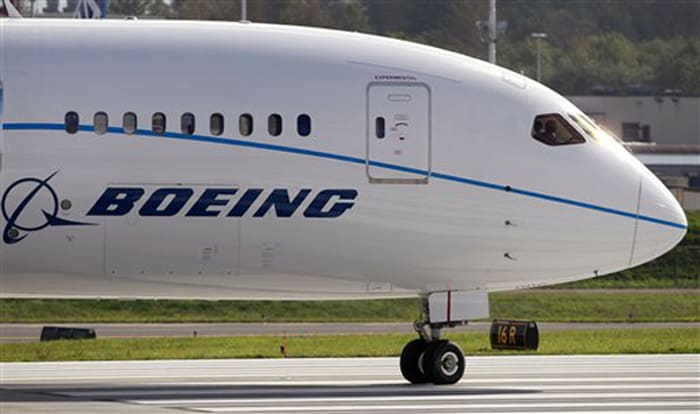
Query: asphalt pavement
{"points": [[620, 384]]}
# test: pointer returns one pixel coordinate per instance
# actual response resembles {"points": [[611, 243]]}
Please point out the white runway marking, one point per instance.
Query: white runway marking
{"points": [[511, 384]]}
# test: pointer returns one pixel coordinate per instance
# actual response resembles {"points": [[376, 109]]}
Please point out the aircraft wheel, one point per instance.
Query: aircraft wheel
{"points": [[443, 362], [412, 358]]}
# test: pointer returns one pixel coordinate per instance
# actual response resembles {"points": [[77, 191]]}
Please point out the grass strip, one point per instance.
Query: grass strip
{"points": [[628, 341], [606, 306], [544, 306]]}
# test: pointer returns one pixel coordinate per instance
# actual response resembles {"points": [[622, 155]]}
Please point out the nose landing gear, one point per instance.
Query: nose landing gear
{"points": [[430, 359], [438, 361]]}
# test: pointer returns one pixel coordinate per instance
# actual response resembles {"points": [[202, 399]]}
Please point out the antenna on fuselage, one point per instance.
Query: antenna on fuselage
{"points": [[10, 9]]}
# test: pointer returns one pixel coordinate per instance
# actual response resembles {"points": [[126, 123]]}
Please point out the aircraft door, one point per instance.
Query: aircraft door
{"points": [[398, 133]]}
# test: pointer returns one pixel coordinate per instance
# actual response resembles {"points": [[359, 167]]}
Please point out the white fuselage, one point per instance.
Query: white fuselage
{"points": [[456, 195]]}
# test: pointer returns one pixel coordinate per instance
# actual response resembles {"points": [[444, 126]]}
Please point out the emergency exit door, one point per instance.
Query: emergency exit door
{"points": [[398, 148]]}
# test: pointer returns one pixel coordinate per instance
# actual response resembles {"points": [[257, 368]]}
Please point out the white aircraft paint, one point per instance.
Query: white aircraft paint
{"points": [[461, 197]]}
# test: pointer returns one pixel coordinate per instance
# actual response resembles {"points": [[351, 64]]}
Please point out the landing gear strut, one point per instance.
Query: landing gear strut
{"points": [[430, 359]]}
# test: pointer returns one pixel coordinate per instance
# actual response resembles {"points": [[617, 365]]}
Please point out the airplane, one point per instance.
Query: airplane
{"points": [[235, 160]]}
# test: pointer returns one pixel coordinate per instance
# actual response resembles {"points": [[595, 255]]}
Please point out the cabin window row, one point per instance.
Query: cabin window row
{"points": [[187, 124]]}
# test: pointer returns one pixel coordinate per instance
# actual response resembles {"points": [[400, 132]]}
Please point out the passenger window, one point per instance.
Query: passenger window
{"points": [[274, 125], [158, 123], [553, 129], [129, 123], [304, 125], [379, 127], [187, 123], [245, 124], [101, 123], [216, 124], [72, 122]]}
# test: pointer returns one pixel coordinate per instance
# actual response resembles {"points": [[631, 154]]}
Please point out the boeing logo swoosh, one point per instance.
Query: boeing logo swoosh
{"points": [[23, 212]]}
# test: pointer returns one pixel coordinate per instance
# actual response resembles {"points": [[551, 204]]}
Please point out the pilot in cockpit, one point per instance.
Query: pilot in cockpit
{"points": [[550, 130]]}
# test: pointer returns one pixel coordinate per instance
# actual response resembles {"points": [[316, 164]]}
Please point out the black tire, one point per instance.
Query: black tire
{"points": [[425, 361], [410, 362], [443, 362]]}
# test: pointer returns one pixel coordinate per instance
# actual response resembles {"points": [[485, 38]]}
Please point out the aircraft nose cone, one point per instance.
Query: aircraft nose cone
{"points": [[661, 222]]}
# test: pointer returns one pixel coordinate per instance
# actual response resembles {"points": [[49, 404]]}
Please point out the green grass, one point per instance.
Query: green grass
{"points": [[551, 306], [572, 342], [606, 306], [679, 268], [50, 310]]}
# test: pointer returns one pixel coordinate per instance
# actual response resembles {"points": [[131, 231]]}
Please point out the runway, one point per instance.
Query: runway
{"points": [[548, 384], [31, 332]]}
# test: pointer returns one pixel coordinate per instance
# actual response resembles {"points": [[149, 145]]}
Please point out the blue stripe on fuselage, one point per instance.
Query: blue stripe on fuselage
{"points": [[349, 159]]}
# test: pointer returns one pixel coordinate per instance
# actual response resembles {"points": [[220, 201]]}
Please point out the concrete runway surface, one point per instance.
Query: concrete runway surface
{"points": [[552, 384], [31, 332]]}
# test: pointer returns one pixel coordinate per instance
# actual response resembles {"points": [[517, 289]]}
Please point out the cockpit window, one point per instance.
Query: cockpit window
{"points": [[553, 129], [587, 126], [596, 132]]}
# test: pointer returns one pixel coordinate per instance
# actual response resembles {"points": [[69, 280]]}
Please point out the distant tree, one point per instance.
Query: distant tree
{"points": [[305, 12], [521, 56], [675, 63], [207, 9], [449, 24], [348, 15], [387, 16], [463, 34], [607, 59], [638, 20]]}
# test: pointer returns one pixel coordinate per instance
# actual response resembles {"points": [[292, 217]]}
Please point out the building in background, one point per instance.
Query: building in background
{"points": [[661, 119], [662, 130]]}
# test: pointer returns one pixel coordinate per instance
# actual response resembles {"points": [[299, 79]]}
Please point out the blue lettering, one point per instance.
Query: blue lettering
{"points": [[316, 208], [209, 199], [284, 207], [178, 199], [245, 202], [116, 201], [169, 201]]}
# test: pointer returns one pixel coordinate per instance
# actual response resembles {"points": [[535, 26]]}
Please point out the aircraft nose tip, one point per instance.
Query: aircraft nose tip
{"points": [[661, 222]]}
